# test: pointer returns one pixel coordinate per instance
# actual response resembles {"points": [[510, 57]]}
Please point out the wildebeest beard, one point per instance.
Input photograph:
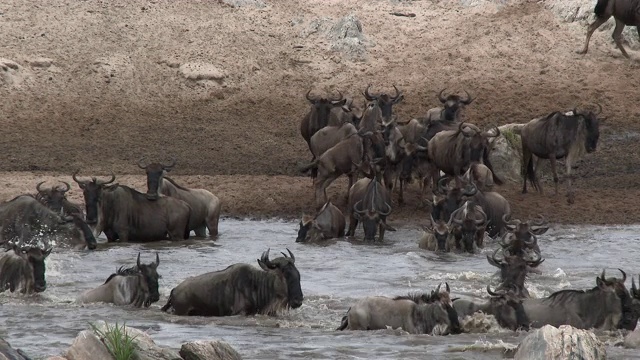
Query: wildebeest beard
{"points": [[23, 265]]}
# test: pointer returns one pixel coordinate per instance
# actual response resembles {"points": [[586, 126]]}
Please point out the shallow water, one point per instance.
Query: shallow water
{"points": [[332, 278]]}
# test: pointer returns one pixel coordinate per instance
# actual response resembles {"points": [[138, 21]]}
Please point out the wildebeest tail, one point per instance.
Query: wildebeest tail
{"points": [[309, 166], [345, 321], [601, 7], [487, 163], [169, 303], [529, 174]]}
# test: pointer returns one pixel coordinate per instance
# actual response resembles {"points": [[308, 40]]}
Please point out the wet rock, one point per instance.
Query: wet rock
{"points": [[565, 342], [632, 339], [208, 350], [201, 71], [57, 358], [87, 346], [9, 353]]}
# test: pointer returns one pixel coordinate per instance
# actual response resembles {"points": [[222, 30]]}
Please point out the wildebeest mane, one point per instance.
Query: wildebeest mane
{"points": [[175, 184], [122, 271]]}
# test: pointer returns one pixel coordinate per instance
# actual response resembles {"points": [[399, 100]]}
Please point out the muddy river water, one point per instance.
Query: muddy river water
{"points": [[333, 277]]}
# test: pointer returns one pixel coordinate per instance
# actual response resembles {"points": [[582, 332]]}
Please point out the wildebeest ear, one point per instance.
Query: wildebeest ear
{"points": [[539, 231], [600, 283]]}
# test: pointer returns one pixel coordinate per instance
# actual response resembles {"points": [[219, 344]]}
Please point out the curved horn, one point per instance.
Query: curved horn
{"points": [[397, 95], [340, 97], [438, 288], [440, 97], [599, 109], [602, 276], [367, 95], [468, 100], [491, 292], [293, 258], [441, 186], [386, 213], [141, 164], [484, 218], [157, 259], [355, 208], [138, 261], [454, 215], [308, 97], [446, 286], [493, 256], [624, 275], [538, 259], [113, 177], [173, 163], [73, 176], [539, 221], [265, 259], [38, 186], [67, 185]]}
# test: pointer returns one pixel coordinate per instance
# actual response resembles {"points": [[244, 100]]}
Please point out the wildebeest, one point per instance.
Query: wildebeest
{"points": [[379, 110], [25, 220], [55, 198], [205, 207], [447, 198], [513, 271], [558, 136], [503, 305], [468, 224], [415, 155], [318, 115], [240, 289], [625, 12], [125, 214], [480, 175], [380, 312], [137, 286], [369, 202], [522, 235], [630, 315], [22, 268], [598, 308], [437, 237], [329, 136], [452, 104], [328, 223]]}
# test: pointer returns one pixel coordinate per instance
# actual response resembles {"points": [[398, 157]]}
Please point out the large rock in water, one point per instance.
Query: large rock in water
{"points": [[208, 350], [9, 353], [565, 342]]}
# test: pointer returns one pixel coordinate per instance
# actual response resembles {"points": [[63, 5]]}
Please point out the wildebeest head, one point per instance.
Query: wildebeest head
{"points": [[479, 143], [629, 313], [508, 310], [384, 102], [440, 230], [151, 276], [372, 209], [453, 104], [444, 298], [34, 256], [321, 108], [287, 268], [305, 225], [513, 271], [155, 172], [469, 224], [53, 197], [592, 127], [522, 235], [449, 198], [92, 191]]}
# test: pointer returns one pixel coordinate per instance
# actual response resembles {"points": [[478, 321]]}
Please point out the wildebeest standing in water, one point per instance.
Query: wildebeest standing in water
{"points": [[328, 223], [558, 136], [503, 305], [22, 268], [137, 286], [25, 220], [127, 215], [369, 202], [55, 198], [625, 12], [468, 225], [240, 289], [513, 271], [205, 207], [437, 236]]}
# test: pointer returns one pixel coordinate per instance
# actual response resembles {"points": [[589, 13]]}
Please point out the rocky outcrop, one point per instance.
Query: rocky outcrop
{"points": [[565, 342], [208, 350], [9, 353], [506, 153]]}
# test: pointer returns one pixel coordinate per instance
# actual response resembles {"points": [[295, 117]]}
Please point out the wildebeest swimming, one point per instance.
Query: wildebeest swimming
{"points": [[240, 289], [328, 223], [205, 207], [503, 305], [22, 268], [137, 286], [25, 220], [55, 198], [125, 214]]}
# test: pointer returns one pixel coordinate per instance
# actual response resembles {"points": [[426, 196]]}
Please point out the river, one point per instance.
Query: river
{"points": [[333, 277]]}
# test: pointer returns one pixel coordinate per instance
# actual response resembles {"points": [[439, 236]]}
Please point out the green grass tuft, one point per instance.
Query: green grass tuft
{"points": [[119, 343]]}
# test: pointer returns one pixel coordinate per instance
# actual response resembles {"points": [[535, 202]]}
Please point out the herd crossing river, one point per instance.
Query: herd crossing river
{"points": [[333, 276]]}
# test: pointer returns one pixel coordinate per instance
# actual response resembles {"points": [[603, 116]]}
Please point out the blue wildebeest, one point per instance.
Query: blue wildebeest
{"points": [[409, 313], [503, 305], [558, 136], [521, 236], [379, 110], [55, 198], [205, 207], [468, 224], [437, 237], [513, 271], [452, 105], [630, 316], [22, 267], [137, 286], [369, 202], [240, 289], [125, 214], [625, 12], [598, 308], [635, 301], [329, 136], [24, 220], [328, 223]]}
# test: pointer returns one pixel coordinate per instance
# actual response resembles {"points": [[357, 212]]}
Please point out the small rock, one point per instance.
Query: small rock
{"points": [[208, 350], [565, 342], [40, 62], [201, 71], [632, 339]]}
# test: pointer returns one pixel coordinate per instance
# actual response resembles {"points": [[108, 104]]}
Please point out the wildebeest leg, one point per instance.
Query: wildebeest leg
{"points": [[617, 37], [536, 177], [596, 24], [353, 224], [381, 229], [321, 189], [554, 171], [400, 196], [570, 193], [213, 220], [200, 231]]}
